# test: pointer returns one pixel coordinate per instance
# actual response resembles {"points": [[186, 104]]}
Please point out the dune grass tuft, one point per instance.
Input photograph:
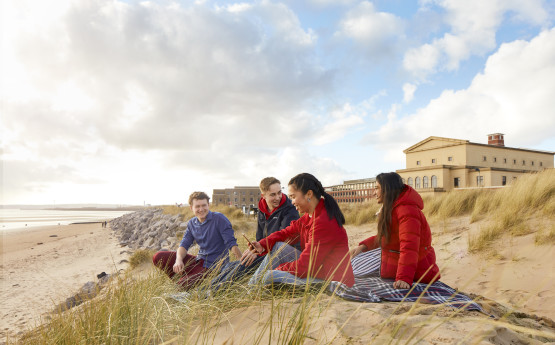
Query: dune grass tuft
{"points": [[140, 256], [358, 214]]}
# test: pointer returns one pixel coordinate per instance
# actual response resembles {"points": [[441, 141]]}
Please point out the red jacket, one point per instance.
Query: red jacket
{"points": [[321, 237], [409, 253]]}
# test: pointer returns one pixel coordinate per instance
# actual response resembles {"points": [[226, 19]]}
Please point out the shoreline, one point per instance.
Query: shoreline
{"points": [[42, 266]]}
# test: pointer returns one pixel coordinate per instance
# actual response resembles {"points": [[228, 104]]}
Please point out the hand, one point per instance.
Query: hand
{"points": [[248, 257], [399, 284], [178, 266], [257, 249], [357, 250]]}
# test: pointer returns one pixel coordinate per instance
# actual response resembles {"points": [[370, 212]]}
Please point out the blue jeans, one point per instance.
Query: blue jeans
{"points": [[266, 273], [233, 271]]}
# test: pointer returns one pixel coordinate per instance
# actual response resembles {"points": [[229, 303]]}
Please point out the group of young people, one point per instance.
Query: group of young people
{"points": [[311, 248]]}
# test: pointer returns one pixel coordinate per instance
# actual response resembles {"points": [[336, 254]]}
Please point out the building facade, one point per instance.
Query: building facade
{"points": [[439, 164], [239, 196], [353, 191]]}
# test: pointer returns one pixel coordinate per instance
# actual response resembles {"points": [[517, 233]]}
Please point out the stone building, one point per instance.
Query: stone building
{"points": [[353, 191], [239, 196], [438, 164]]}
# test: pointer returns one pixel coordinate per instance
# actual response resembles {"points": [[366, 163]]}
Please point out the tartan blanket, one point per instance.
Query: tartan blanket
{"points": [[370, 287]]}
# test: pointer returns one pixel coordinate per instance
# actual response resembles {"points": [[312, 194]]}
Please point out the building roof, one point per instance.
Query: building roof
{"points": [[456, 142]]}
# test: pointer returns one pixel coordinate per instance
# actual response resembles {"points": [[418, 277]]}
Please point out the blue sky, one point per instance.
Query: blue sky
{"points": [[129, 102]]}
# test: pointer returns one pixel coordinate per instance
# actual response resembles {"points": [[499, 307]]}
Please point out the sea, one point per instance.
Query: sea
{"points": [[21, 219]]}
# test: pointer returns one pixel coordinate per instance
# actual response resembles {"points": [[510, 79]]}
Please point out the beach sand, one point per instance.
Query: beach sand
{"points": [[35, 277], [43, 266]]}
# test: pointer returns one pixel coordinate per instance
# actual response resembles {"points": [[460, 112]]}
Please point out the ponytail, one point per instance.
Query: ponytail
{"points": [[305, 182]]}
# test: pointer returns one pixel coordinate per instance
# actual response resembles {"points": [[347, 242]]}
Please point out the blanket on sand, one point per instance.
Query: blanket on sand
{"points": [[370, 287]]}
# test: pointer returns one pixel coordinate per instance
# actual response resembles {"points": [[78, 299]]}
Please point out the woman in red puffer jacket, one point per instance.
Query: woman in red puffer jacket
{"points": [[403, 234]]}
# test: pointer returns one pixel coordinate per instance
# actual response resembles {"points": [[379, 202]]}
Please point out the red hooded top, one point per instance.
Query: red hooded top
{"points": [[263, 206], [324, 247], [408, 256]]}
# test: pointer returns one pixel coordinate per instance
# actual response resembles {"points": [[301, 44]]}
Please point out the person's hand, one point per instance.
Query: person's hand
{"points": [[178, 266], [399, 284], [257, 249], [248, 257], [357, 250]]}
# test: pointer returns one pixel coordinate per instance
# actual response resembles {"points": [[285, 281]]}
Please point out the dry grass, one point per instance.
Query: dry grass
{"points": [[140, 256], [508, 209], [358, 214]]}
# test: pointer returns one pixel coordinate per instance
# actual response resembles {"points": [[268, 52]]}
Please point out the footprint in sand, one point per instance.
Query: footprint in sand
{"points": [[544, 293]]}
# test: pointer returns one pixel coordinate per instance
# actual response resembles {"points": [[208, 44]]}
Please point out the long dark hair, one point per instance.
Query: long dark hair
{"points": [[305, 182], [392, 186]]}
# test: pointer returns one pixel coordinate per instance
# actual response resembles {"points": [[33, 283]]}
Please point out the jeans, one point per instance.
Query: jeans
{"points": [[233, 271], [266, 273]]}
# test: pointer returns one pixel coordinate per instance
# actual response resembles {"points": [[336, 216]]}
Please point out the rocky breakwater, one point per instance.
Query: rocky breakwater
{"points": [[149, 229]]}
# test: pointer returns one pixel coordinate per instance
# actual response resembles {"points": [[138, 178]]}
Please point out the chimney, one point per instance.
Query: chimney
{"points": [[496, 139]]}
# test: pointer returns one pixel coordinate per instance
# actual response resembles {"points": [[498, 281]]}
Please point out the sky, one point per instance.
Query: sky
{"points": [[133, 102]]}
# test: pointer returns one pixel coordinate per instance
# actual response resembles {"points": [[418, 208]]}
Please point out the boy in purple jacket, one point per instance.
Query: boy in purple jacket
{"points": [[212, 232]]}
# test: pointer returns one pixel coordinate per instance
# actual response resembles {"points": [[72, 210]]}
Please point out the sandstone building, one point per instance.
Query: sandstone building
{"points": [[239, 196], [360, 190], [438, 164]]}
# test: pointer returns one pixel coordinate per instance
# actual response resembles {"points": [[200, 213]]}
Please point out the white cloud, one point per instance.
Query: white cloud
{"points": [[514, 95], [473, 27], [342, 119], [374, 32], [151, 97], [324, 3], [408, 92]]}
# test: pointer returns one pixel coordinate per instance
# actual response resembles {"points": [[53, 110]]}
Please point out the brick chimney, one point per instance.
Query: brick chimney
{"points": [[496, 139]]}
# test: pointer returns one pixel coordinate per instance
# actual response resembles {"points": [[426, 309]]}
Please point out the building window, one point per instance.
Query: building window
{"points": [[479, 180], [456, 182], [514, 161], [434, 181], [433, 160], [523, 162], [484, 158], [425, 182], [541, 164], [504, 160], [409, 181], [417, 182], [532, 162], [503, 180], [417, 162], [494, 159], [450, 159]]}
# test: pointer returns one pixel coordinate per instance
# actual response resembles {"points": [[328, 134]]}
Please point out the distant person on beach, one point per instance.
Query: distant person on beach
{"points": [[275, 213], [324, 253], [403, 234], [212, 232]]}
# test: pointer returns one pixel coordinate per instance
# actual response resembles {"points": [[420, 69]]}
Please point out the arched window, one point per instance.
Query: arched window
{"points": [[417, 182], [434, 181], [404, 182], [410, 181], [425, 182]]}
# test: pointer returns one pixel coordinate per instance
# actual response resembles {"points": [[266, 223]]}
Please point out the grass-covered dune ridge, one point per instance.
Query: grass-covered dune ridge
{"points": [[136, 308]]}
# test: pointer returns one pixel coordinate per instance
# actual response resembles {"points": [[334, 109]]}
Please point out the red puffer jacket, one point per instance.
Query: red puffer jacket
{"points": [[408, 256], [324, 244]]}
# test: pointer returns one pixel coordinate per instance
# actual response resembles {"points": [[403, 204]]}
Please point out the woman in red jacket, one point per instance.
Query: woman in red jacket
{"points": [[324, 251], [403, 234]]}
